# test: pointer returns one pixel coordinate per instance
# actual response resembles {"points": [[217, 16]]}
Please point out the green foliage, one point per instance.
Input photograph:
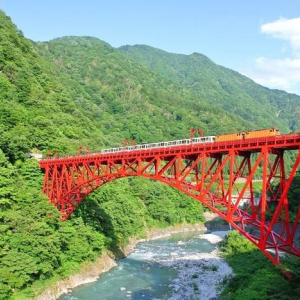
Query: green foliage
{"points": [[34, 243], [255, 277]]}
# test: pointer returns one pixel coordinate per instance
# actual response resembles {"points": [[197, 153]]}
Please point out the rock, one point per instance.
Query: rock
{"points": [[180, 243]]}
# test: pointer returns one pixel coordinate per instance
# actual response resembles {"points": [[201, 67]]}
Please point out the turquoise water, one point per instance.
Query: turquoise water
{"points": [[141, 275]]}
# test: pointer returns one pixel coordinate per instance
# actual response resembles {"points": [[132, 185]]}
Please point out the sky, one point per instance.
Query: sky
{"points": [[260, 39]]}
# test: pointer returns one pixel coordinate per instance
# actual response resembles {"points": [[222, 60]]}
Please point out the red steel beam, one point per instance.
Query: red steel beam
{"points": [[219, 175]]}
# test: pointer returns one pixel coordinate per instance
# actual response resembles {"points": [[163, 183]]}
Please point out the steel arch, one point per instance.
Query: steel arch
{"points": [[219, 175]]}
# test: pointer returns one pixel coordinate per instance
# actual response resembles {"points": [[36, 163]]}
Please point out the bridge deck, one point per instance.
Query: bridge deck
{"points": [[284, 142]]}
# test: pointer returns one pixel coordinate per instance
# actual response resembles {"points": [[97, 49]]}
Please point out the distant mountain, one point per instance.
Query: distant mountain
{"points": [[128, 100], [221, 87]]}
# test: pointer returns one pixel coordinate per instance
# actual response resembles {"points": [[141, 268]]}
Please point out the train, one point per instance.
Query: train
{"points": [[261, 133], [199, 140]]}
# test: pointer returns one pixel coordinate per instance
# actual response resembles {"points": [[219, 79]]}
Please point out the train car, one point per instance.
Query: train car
{"points": [[261, 133], [167, 144], [204, 139], [230, 137]]}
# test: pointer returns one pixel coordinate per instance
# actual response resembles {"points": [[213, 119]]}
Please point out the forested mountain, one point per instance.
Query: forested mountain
{"points": [[221, 87]]}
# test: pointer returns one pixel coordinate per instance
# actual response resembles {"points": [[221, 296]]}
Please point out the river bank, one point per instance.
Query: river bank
{"points": [[90, 272]]}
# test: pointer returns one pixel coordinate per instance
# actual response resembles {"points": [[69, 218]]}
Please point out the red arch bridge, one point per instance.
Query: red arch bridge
{"points": [[220, 175]]}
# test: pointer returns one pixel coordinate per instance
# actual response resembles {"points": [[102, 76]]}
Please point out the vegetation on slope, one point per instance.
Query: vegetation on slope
{"points": [[255, 276], [36, 110], [132, 102], [221, 87]]}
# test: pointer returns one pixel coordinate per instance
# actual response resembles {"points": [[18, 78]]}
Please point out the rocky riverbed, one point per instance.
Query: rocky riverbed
{"points": [[200, 276]]}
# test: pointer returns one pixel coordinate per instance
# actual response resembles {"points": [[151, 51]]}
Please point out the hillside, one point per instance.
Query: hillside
{"points": [[221, 87], [37, 111], [132, 102]]}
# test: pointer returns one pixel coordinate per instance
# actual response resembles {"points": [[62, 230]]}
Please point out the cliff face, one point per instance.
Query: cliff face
{"points": [[88, 273]]}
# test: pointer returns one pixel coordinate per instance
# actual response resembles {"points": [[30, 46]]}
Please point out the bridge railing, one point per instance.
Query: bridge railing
{"points": [[287, 140]]}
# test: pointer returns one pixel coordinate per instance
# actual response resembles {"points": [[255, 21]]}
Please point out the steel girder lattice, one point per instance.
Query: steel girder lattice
{"points": [[222, 176]]}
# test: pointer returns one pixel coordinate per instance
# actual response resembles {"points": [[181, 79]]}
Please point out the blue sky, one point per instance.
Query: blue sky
{"points": [[257, 38]]}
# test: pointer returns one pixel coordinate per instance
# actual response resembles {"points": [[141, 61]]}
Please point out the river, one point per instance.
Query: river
{"points": [[180, 266]]}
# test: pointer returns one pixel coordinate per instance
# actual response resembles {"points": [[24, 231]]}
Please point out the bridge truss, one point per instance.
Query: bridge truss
{"points": [[222, 176]]}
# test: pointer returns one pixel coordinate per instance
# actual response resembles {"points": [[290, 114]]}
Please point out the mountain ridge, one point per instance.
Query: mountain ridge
{"points": [[221, 86]]}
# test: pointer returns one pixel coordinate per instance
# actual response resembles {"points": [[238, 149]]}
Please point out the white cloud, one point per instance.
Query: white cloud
{"points": [[277, 73], [285, 29], [283, 73]]}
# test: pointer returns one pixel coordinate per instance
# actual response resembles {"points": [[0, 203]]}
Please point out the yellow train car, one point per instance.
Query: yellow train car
{"points": [[230, 137], [248, 135], [261, 133]]}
